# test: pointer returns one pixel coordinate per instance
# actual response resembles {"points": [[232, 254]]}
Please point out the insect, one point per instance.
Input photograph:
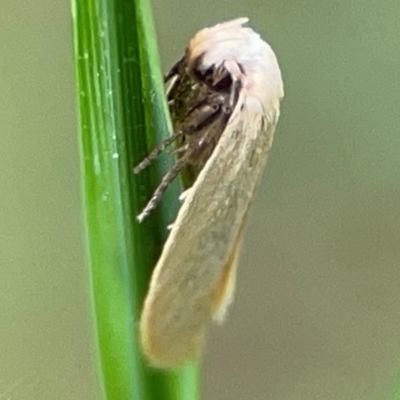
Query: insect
{"points": [[224, 100]]}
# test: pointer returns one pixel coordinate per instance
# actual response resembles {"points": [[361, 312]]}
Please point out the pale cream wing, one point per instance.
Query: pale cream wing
{"points": [[183, 287]]}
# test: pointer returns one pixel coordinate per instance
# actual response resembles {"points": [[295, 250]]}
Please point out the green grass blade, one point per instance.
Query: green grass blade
{"points": [[122, 115]]}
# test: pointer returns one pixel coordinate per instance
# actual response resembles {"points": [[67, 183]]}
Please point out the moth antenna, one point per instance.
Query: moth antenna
{"points": [[166, 180], [146, 162]]}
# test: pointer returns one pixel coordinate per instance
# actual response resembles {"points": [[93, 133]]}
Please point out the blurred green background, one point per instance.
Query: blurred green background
{"points": [[317, 310]]}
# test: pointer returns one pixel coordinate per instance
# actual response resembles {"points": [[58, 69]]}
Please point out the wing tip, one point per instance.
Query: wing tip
{"points": [[166, 350]]}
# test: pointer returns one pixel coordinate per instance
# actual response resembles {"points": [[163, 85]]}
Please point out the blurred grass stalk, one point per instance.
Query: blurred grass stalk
{"points": [[123, 114]]}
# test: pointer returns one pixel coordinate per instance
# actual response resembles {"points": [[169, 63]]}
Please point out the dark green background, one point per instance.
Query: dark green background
{"points": [[316, 314]]}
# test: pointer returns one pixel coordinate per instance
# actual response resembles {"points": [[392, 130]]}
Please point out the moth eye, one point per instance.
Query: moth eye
{"points": [[224, 83], [217, 80], [208, 72]]}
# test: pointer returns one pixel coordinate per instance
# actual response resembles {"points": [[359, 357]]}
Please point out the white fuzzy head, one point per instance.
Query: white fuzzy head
{"points": [[245, 55]]}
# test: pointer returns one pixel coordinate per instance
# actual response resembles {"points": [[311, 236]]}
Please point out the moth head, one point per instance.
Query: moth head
{"points": [[230, 52]]}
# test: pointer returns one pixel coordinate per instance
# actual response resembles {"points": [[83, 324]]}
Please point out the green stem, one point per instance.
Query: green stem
{"points": [[122, 115]]}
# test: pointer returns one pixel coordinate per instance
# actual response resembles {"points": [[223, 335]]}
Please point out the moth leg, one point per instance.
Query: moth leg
{"points": [[179, 150], [234, 94], [156, 152], [166, 180], [174, 69], [201, 116]]}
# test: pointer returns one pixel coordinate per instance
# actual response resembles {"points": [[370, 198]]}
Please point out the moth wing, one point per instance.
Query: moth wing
{"points": [[186, 280], [225, 289]]}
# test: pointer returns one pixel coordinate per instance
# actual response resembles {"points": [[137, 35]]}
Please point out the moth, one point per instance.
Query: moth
{"points": [[224, 99]]}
